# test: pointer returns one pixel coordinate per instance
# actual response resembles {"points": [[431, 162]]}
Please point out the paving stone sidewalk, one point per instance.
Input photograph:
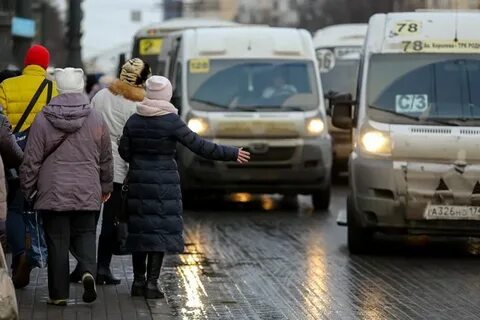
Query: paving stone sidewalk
{"points": [[113, 303]]}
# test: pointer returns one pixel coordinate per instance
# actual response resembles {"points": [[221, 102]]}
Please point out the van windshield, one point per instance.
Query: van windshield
{"points": [[342, 78], [252, 85], [424, 88]]}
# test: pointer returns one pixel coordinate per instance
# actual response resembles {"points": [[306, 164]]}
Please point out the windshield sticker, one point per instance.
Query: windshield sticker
{"points": [[407, 28], [201, 65], [432, 46], [411, 103], [326, 60], [150, 46], [348, 53]]}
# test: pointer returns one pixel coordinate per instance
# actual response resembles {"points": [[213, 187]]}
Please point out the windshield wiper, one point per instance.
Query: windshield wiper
{"points": [[269, 108], [418, 119], [209, 103], [293, 108]]}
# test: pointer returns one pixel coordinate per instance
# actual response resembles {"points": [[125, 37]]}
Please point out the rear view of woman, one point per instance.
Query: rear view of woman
{"points": [[148, 144], [68, 171]]}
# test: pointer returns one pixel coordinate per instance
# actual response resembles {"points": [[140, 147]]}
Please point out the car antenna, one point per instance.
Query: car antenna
{"points": [[456, 21]]}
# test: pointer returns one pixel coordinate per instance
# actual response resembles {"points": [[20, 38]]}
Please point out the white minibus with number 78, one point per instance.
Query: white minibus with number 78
{"points": [[415, 165]]}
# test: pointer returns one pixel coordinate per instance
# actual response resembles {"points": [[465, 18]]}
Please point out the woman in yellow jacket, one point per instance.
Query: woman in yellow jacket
{"points": [[15, 95]]}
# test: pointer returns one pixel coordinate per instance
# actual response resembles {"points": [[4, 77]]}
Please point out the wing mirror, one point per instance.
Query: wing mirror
{"points": [[341, 111]]}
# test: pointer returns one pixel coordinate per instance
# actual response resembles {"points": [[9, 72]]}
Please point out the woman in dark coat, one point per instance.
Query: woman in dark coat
{"points": [[148, 144]]}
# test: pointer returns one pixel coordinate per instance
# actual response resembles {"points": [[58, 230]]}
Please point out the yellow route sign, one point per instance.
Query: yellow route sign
{"points": [[150, 46], [407, 28], [441, 46], [200, 65]]}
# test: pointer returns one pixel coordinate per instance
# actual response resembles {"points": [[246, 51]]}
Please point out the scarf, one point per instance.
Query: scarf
{"points": [[155, 108]]}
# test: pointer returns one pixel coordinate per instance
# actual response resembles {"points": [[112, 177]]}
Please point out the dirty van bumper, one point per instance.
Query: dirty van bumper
{"points": [[393, 196], [289, 166]]}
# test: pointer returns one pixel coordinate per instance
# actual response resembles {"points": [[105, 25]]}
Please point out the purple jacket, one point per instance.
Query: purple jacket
{"points": [[68, 158]]}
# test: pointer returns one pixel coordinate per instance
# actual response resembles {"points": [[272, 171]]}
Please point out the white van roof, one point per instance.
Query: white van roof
{"points": [[249, 42], [176, 24], [434, 32], [350, 35]]}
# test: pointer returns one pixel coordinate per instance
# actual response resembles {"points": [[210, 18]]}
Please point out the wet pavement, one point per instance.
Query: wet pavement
{"points": [[271, 260]]}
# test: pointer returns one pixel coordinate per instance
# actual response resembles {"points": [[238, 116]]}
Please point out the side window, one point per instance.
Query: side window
{"points": [[173, 57]]}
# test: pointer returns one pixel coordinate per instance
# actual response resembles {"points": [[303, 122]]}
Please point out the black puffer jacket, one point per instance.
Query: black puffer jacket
{"points": [[148, 144]]}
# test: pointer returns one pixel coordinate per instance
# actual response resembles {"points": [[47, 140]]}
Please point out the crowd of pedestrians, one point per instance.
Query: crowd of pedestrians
{"points": [[108, 156]]}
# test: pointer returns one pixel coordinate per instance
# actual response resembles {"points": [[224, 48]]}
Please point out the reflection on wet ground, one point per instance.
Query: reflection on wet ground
{"points": [[267, 258]]}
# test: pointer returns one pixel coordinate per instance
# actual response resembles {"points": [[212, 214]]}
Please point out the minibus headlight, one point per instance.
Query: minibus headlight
{"points": [[198, 125], [315, 126], [376, 142]]}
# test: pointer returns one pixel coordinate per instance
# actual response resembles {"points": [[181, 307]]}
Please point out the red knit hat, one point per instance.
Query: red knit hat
{"points": [[38, 55]]}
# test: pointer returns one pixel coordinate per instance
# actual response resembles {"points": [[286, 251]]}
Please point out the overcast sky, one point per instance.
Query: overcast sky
{"points": [[107, 23]]}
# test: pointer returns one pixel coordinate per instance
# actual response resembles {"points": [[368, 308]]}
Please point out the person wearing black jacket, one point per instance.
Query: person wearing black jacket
{"points": [[154, 204], [10, 157]]}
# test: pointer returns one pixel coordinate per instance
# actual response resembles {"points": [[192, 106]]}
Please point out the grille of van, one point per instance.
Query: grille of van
{"points": [[431, 130], [470, 132], [273, 154]]}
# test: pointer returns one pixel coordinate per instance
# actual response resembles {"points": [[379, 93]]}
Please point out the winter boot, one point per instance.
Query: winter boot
{"points": [[105, 276], [21, 273], [154, 266], [139, 269]]}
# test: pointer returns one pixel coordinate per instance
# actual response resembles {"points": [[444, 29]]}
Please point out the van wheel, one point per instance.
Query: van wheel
{"points": [[321, 199], [359, 239]]}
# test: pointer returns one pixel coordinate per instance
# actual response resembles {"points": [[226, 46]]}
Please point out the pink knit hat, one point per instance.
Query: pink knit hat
{"points": [[159, 88]]}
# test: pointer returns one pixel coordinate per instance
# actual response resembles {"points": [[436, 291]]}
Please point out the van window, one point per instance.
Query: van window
{"points": [[241, 85], [342, 78], [424, 88]]}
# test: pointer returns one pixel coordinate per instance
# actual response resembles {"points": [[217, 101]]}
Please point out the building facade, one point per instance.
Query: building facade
{"points": [[272, 12], [453, 4]]}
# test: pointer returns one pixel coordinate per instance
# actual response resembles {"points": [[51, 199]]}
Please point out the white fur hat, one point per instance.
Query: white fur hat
{"points": [[69, 80], [159, 88]]}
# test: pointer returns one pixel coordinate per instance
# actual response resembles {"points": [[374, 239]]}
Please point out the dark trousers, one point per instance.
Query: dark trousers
{"points": [[111, 209], [16, 224], [75, 229]]}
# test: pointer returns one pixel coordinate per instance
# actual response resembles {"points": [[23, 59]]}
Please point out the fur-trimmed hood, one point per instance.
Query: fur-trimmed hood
{"points": [[127, 91]]}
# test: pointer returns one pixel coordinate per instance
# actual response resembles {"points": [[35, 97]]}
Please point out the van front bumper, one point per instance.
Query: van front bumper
{"points": [[283, 165], [393, 196]]}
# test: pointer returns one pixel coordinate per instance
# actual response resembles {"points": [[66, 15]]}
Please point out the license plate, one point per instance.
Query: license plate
{"points": [[438, 212]]}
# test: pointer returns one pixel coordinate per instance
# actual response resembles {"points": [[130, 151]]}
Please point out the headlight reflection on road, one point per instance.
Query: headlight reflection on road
{"points": [[268, 204], [317, 295], [190, 272], [241, 197]]}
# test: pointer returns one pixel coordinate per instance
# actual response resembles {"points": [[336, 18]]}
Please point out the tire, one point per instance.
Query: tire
{"points": [[321, 199], [359, 239]]}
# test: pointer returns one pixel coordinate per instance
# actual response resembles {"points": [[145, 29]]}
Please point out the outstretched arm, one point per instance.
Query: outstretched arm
{"points": [[203, 147]]}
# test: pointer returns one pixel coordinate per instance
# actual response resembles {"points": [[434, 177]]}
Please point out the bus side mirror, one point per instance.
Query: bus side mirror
{"points": [[342, 111]]}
